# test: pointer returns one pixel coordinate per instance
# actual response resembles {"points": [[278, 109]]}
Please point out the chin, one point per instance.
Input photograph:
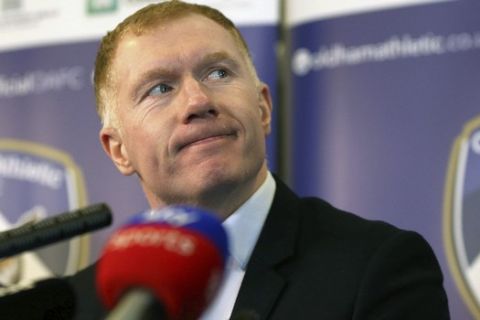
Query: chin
{"points": [[208, 182], [216, 179]]}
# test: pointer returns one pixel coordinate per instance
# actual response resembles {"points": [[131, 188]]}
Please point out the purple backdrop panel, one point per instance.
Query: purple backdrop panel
{"points": [[262, 42], [378, 100]]}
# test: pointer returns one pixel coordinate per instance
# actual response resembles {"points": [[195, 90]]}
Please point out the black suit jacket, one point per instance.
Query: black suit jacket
{"points": [[313, 261]]}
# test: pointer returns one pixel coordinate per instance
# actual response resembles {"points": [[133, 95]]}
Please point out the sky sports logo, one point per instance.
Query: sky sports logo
{"points": [[172, 240], [396, 47]]}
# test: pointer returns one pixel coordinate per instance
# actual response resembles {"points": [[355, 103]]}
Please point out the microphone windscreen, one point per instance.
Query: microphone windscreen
{"points": [[177, 252]]}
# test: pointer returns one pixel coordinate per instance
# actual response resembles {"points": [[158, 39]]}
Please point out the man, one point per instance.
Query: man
{"points": [[183, 109]]}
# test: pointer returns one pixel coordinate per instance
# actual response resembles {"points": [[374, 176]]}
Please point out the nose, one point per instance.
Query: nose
{"points": [[198, 101]]}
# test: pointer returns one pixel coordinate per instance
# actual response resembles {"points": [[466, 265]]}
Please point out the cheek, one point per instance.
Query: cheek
{"points": [[144, 143], [149, 126], [255, 131]]}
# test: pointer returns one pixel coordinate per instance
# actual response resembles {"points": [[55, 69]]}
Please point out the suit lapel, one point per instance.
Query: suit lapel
{"points": [[262, 283]]}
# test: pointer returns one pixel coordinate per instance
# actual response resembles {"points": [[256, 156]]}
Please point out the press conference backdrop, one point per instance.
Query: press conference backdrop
{"points": [[50, 156], [385, 108], [384, 117]]}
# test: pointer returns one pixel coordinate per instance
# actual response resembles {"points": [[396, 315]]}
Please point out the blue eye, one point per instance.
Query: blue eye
{"points": [[160, 89], [218, 74]]}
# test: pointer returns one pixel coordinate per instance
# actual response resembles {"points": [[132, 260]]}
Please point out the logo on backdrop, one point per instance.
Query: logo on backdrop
{"points": [[302, 62], [462, 213], [41, 81], [395, 47], [37, 181], [101, 6], [11, 5], [18, 14]]}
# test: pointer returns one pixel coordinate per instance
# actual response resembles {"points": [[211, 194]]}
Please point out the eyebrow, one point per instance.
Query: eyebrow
{"points": [[220, 56], [158, 73], [146, 78]]}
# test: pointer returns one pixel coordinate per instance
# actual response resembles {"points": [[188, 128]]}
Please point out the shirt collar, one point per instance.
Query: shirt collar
{"points": [[244, 225]]}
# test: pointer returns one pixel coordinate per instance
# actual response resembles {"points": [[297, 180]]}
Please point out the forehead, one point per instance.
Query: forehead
{"points": [[177, 40]]}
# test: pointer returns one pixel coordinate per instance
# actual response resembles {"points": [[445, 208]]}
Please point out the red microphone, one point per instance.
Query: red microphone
{"points": [[163, 263]]}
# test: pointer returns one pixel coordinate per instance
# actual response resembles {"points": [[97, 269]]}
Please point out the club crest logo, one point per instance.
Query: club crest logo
{"points": [[462, 214], [37, 181]]}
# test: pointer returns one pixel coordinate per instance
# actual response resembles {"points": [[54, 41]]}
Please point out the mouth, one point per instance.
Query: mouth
{"points": [[207, 137]]}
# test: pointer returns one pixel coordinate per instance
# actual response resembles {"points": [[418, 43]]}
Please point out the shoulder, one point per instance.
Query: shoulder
{"points": [[341, 224], [322, 227], [375, 260], [369, 237], [377, 270], [317, 216]]}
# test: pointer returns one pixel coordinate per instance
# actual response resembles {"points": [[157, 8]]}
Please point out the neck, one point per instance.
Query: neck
{"points": [[233, 196], [224, 200]]}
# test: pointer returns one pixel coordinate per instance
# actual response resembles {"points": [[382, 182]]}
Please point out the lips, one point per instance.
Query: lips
{"points": [[203, 135]]}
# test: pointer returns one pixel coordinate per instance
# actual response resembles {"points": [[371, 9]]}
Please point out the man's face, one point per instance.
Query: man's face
{"points": [[192, 118]]}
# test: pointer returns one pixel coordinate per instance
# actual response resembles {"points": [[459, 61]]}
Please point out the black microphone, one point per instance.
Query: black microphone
{"points": [[46, 299], [53, 229], [138, 303]]}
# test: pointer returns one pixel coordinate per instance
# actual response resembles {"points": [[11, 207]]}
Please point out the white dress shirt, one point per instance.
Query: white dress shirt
{"points": [[243, 228]]}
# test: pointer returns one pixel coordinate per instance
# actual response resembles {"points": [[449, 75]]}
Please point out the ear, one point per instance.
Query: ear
{"points": [[265, 106], [114, 147]]}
